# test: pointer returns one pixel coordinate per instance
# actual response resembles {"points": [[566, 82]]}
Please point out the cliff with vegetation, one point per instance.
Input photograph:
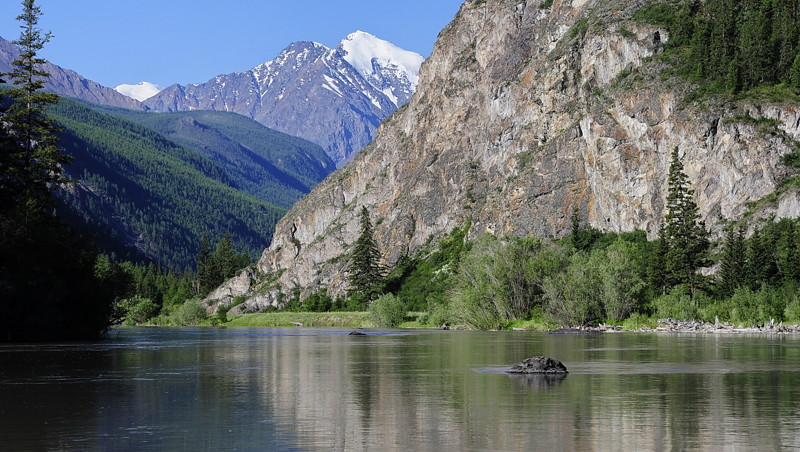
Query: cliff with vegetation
{"points": [[525, 111]]}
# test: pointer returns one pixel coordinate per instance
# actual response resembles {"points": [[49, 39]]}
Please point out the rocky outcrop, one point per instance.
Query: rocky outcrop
{"points": [[521, 115], [539, 365]]}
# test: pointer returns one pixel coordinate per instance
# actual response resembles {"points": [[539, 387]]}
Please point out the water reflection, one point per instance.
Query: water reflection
{"points": [[308, 389], [541, 382]]}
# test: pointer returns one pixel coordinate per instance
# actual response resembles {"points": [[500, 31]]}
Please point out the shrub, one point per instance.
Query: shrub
{"points": [[573, 296], [501, 281], [677, 304], [473, 307], [638, 321], [318, 301], [757, 307], [191, 312], [792, 311], [620, 268], [139, 310], [387, 311]]}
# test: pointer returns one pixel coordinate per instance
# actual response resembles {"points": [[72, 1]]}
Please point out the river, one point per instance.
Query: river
{"points": [[320, 389]]}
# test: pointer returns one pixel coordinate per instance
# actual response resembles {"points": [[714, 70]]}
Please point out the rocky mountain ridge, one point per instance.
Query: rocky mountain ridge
{"points": [[309, 91], [69, 83], [524, 112]]}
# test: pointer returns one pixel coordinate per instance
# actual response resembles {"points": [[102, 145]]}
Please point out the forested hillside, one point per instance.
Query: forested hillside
{"points": [[139, 188], [270, 165], [732, 45]]}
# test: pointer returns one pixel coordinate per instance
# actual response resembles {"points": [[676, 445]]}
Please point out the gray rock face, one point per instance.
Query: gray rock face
{"points": [[519, 117], [69, 83], [308, 91], [539, 365]]}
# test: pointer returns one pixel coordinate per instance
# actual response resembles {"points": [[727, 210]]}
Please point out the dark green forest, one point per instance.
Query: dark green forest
{"points": [[139, 188], [731, 46], [267, 164]]}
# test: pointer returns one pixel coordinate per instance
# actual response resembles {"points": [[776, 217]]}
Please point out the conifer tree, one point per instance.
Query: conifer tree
{"points": [[684, 234], [40, 258], [366, 273], [656, 272], [789, 253], [225, 259], [794, 72], [32, 162], [733, 263], [762, 267], [205, 267]]}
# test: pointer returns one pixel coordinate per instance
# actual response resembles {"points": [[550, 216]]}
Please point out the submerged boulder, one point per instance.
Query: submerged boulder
{"points": [[539, 365]]}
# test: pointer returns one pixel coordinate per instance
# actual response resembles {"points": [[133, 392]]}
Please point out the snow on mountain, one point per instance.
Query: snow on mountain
{"points": [[66, 82], [387, 67], [140, 91], [336, 98]]}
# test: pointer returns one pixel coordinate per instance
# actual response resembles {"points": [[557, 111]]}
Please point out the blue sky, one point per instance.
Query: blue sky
{"points": [[189, 41]]}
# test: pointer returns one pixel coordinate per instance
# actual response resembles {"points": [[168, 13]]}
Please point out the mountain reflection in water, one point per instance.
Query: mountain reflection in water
{"points": [[319, 389]]}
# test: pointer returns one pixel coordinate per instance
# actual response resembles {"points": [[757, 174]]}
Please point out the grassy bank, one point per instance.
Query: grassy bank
{"points": [[352, 320], [307, 319]]}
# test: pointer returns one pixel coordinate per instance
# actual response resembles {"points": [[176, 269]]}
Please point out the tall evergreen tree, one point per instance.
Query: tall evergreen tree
{"points": [[225, 259], [789, 252], [33, 161], [762, 265], [684, 234], [794, 73], [366, 273], [41, 259], [205, 267], [733, 263]]}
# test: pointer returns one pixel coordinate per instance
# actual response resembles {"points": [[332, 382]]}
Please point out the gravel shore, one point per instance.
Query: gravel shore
{"points": [[691, 326]]}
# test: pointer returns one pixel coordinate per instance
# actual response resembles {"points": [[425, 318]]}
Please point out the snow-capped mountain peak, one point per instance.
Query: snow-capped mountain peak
{"points": [[333, 97], [140, 91], [387, 67]]}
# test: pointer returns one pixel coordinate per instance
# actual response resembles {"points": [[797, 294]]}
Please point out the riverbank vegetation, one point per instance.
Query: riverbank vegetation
{"points": [[584, 279], [590, 277]]}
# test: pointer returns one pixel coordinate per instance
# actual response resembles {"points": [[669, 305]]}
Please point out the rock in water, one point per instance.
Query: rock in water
{"points": [[356, 333], [539, 365]]}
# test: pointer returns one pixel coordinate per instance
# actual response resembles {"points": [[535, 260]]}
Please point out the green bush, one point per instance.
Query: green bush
{"points": [[574, 296], [716, 310], [677, 304], [387, 311], [751, 307], [139, 310], [792, 311], [622, 278], [318, 301], [501, 280], [638, 321], [191, 312]]}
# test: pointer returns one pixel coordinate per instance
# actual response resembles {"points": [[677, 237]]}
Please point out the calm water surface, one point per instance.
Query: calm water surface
{"points": [[318, 389]]}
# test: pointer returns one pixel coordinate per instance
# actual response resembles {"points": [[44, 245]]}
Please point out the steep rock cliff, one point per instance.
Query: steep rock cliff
{"points": [[521, 114]]}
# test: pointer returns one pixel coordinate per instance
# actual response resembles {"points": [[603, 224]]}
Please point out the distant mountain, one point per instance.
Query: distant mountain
{"points": [[69, 83], [145, 194], [333, 97], [265, 163], [388, 68], [140, 91]]}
